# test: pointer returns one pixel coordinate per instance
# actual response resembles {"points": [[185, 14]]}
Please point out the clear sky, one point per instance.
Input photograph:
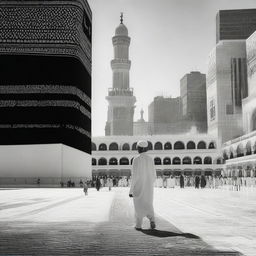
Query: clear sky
{"points": [[169, 38]]}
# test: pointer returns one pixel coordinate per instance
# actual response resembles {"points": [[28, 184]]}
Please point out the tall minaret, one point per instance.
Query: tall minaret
{"points": [[120, 96]]}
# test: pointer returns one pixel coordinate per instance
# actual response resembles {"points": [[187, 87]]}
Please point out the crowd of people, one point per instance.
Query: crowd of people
{"points": [[164, 181], [197, 181], [202, 181], [109, 181]]}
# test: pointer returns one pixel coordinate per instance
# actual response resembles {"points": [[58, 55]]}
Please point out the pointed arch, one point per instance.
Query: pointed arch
{"points": [[102, 161], [207, 160], [157, 161], [179, 145], [134, 146], [191, 145], [158, 146], [126, 146], [113, 146], [102, 147], [176, 160], [167, 161], [186, 160], [197, 160], [201, 145], [113, 161], [150, 146], [248, 148], [212, 145], [167, 146], [240, 150], [124, 161]]}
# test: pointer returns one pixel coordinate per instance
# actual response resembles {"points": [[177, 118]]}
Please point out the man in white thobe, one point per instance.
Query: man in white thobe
{"points": [[142, 186]]}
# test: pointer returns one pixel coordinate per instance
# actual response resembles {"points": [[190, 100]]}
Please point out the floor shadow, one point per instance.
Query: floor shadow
{"points": [[163, 233]]}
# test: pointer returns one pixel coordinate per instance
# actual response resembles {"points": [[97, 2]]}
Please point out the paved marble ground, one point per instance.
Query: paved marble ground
{"points": [[65, 222], [222, 218]]}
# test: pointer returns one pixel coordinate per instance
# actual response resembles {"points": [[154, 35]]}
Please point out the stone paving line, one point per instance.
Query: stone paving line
{"points": [[114, 237]]}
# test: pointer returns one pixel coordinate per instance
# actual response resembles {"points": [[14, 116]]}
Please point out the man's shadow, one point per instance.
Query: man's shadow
{"points": [[163, 233]]}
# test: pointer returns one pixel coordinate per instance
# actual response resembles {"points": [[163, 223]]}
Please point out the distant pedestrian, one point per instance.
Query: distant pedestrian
{"points": [[203, 181], [109, 183], [197, 181], [142, 186], [98, 184], [172, 182], [85, 188], [181, 181], [38, 182]]}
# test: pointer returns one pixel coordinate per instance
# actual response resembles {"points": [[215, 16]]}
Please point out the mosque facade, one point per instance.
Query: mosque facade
{"points": [[229, 146], [187, 154]]}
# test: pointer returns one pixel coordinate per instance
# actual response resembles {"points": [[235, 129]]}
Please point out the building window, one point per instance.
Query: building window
{"points": [[167, 146], [212, 110], [113, 161], [157, 161], [124, 161], [126, 146], [113, 146], [167, 160], [102, 147], [158, 146], [239, 86]]}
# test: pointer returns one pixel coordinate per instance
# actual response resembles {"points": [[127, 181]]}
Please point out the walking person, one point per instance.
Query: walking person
{"points": [[98, 184], [181, 181], [142, 186], [109, 183], [85, 188], [197, 181], [38, 182], [202, 181]]}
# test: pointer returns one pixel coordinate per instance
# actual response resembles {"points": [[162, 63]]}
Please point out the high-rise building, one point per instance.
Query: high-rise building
{"points": [[249, 103], [183, 114], [235, 24], [164, 110], [165, 117], [226, 88], [193, 97], [45, 90], [120, 96]]}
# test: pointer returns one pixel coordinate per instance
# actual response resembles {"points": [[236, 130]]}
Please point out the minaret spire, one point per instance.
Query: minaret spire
{"points": [[120, 96], [121, 18]]}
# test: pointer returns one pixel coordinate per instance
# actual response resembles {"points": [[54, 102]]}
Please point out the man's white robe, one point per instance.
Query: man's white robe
{"points": [[142, 185]]}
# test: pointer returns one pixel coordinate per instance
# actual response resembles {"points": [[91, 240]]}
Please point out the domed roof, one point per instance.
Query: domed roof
{"points": [[121, 30]]}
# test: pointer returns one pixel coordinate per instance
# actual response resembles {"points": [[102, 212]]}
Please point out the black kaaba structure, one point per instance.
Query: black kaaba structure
{"points": [[45, 89]]}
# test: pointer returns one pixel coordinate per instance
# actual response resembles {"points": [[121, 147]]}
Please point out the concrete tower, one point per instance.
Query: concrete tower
{"points": [[120, 96]]}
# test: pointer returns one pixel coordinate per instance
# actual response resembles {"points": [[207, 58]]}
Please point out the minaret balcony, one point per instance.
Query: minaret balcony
{"points": [[121, 64], [120, 92], [121, 40]]}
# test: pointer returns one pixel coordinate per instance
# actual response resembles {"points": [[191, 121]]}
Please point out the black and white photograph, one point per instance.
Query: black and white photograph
{"points": [[128, 127]]}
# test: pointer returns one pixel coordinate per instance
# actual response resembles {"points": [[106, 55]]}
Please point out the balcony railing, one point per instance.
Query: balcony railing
{"points": [[241, 138], [120, 92]]}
